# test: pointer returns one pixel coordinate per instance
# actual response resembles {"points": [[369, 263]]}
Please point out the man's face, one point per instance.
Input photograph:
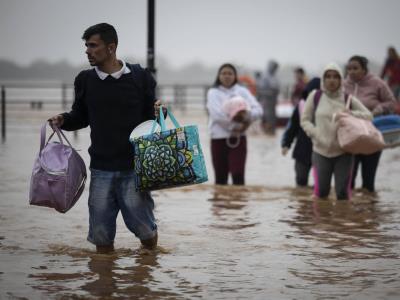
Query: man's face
{"points": [[97, 51]]}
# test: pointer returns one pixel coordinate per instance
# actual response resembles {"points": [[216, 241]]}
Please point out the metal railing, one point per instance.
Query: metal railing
{"points": [[3, 113], [19, 98]]}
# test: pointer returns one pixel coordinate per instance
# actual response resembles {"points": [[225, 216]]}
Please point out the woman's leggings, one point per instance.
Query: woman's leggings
{"points": [[340, 166], [369, 165], [229, 160]]}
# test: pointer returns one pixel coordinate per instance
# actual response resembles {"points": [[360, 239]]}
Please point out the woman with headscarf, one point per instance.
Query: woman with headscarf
{"points": [[328, 158]]}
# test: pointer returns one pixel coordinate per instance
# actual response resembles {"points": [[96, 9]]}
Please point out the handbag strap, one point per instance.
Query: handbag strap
{"points": [[162, 119], [348, 102], [56, 130], [153, 128], [59, 131], [317, 97], [43, 136]]}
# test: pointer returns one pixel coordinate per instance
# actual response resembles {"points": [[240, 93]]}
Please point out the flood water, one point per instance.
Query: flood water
{"points": [[266, 240]]}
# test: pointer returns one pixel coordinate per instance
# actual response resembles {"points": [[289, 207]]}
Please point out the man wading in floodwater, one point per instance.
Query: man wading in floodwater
{"points": [[112, 98]]}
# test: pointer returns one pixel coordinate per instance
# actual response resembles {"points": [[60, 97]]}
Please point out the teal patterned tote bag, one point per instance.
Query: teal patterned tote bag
{"points": [[169, 158]]}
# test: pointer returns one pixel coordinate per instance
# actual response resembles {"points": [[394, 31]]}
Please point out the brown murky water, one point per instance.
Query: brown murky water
{"points": [[267, 240]]}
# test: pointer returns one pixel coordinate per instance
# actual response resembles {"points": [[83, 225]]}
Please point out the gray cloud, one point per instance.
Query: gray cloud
{"points": [[306, 32]]}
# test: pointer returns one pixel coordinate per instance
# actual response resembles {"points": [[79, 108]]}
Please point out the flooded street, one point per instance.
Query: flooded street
{"points": [[266, 240]]}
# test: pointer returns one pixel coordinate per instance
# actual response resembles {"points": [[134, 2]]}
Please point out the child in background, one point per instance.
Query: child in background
{"points": [[303, 149]]}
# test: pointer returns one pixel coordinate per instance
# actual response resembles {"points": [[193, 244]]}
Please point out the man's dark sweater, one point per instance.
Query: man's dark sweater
{"points": [[112, 108]]}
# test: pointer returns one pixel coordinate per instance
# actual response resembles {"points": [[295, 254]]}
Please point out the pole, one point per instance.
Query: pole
{"points": [[64, 96], [150, 36], [3, 113]]}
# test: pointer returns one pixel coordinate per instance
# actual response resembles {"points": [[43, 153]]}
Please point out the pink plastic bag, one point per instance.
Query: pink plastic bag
{"points": [[358, 136]]}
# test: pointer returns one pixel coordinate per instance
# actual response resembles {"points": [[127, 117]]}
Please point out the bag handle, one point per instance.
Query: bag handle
{"points": [[56, 130], [347, 105], [43, 136], [348, 102], [59, 131], [162, 120]]}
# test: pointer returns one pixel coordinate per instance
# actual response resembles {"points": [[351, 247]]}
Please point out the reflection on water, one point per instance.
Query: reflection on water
{"points": [[345, 246], [230, 208], [266, 240], [121, 275], [244, 242]]}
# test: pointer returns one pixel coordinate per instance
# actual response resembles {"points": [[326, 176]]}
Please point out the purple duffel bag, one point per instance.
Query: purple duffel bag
{"points": [[59, 174]]}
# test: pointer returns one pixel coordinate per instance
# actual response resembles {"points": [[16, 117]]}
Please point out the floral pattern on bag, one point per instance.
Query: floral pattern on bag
{"points": [[162, 159]]}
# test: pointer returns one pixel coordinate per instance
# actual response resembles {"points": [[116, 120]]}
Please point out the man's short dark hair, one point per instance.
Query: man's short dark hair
{"points": [[106, 31]]}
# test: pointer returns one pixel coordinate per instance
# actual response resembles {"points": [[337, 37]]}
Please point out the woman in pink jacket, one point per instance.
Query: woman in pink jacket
{"points": [[376, 95]]}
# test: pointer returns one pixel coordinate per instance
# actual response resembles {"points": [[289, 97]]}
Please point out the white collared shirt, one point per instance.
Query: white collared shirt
{"points": [[124, 70]]}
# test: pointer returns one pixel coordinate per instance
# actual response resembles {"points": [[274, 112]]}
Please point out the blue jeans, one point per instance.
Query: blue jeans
{"points": [[110, 192]]}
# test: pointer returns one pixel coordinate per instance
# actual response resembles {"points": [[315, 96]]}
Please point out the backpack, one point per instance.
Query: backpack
{"points": [[137, 69], [59, 173]]}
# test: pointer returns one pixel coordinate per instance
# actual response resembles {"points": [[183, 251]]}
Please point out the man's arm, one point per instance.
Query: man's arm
{"points": [[152, 105], [292, 129]]}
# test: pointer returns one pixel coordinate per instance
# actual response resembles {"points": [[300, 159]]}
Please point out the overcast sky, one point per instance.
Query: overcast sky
{"points": [[246, 32]]}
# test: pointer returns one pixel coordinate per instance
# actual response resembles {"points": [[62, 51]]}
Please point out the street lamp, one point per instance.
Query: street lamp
{"points": [[150, 36]]}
